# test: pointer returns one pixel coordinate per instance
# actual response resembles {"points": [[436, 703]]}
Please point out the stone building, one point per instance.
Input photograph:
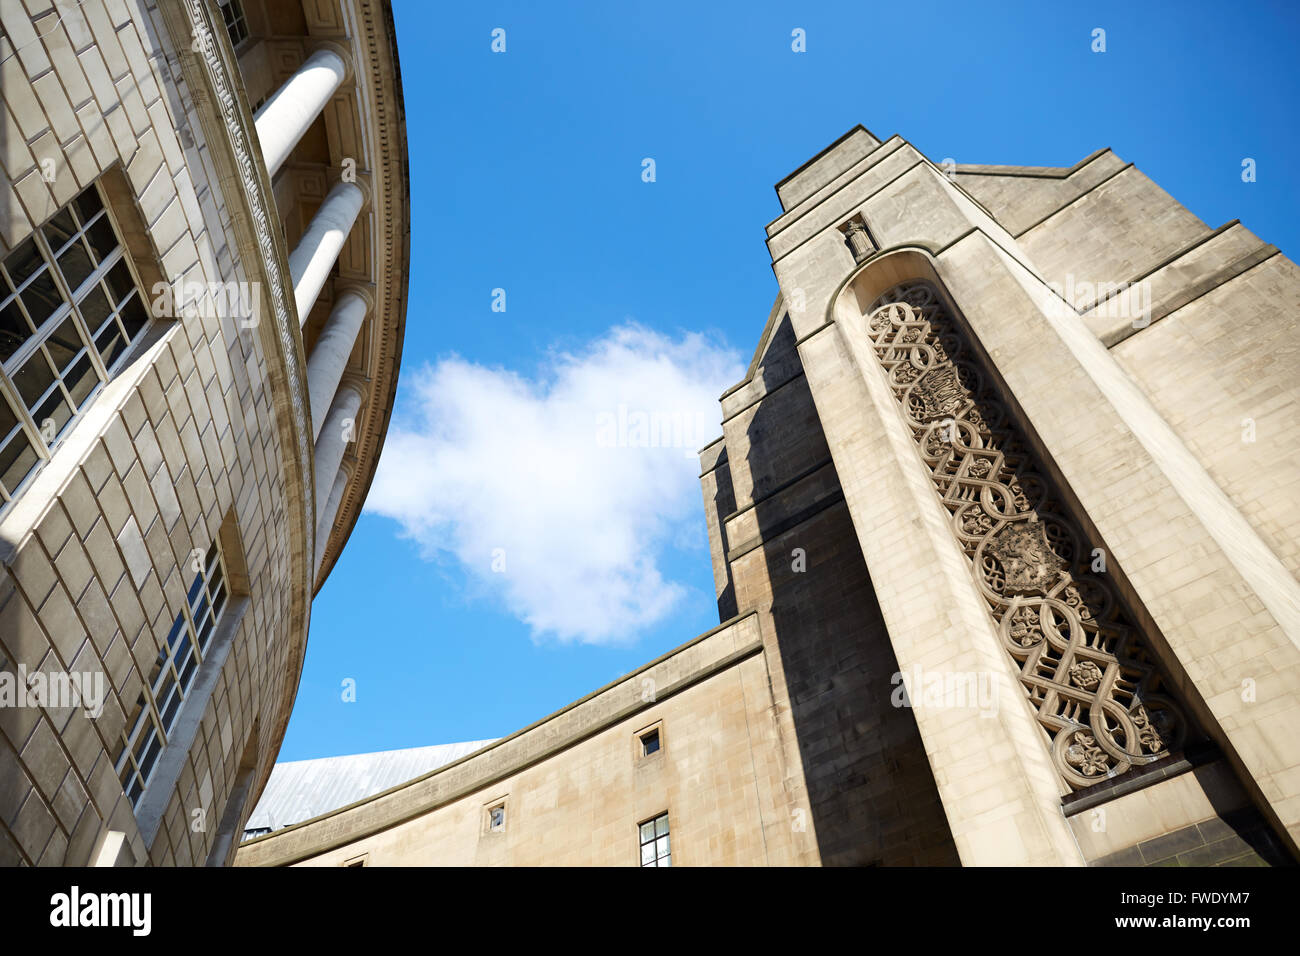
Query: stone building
{"points": [[203, 255], [1005, 533]]}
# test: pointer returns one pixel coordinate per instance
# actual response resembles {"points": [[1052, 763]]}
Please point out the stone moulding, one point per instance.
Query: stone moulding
{"points": [[208, 65]]}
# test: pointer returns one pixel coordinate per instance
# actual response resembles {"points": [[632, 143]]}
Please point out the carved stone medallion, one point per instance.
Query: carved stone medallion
{"points": [[1030, 565], [940, 392]]}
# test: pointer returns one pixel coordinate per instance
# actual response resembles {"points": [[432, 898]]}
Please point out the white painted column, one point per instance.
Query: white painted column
{"points": [[338, 431], [330, 512], [311, 261], [329, 356], [289, 112]]}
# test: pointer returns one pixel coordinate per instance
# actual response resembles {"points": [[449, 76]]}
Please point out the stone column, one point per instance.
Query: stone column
{"points": [[339, 430], [329, 356], [311, 261], [330, 512], [284, 118]]}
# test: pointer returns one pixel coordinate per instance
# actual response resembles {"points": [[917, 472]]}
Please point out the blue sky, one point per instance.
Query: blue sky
{"points": [[526, 176]]}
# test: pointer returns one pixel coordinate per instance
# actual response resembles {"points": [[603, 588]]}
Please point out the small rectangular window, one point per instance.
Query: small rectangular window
{"points": [[172, 676], [654, 842], [650, 743], [232, 13], [497, 817]]}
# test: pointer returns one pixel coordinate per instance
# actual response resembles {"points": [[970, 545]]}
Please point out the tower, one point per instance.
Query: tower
{"points": [[1011, 420]]}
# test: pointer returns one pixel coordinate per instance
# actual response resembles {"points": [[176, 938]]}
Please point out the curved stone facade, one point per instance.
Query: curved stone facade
{"points": [[163, 527]]}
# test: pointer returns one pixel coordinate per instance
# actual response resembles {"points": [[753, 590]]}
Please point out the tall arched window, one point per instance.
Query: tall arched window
{"points": [[1084, 664]]}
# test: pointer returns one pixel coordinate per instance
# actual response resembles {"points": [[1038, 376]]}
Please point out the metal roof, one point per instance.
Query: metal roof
{"points": [[301, 789]]}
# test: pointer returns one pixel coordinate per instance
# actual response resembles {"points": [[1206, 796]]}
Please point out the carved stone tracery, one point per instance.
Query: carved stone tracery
{"points": [[1085, 667]]}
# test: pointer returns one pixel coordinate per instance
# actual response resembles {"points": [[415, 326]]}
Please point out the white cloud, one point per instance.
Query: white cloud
{"points": [[567, 473]]}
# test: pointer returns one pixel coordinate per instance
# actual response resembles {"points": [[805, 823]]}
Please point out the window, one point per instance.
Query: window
{"points": [[236, 23], [654, 842], [69, 308], [172, 676], [356, 861], [497, 817], [650, 742]]}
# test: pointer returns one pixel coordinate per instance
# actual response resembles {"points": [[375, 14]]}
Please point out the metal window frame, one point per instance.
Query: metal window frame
{"points": [[71, 306], [654, 841], [238, 18], [134, 737]]}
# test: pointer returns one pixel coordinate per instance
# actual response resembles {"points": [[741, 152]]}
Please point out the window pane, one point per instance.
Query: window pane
{"points": [[201, 610], [166, 681], [34, 378], [178, 629], [63, 345], [81, 381], [648, 855], [101, 238], [95, 308], [23, 262], [59, 230], [138, 716], [7, 419], [157, 665], [661, 846], [218, 601], [119, 281], [184, 654], [172, 708], [53, 415], [14, 330], [188, 670], [17, 459], [647, 832], [666, 861], [41, 297], [206, 631], [133, 316], [196, 586], [201, 618], [87, 204], [661, 826], [110, 343], [76, 265], [152, 747]]}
